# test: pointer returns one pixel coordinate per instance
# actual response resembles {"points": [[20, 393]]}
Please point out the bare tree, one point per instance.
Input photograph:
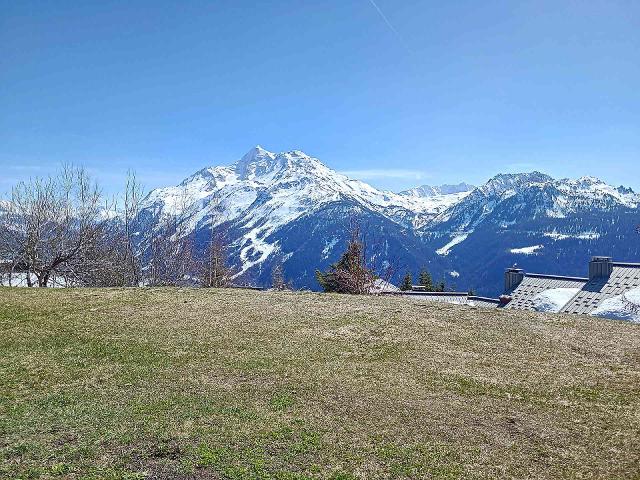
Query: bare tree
{"points": [[380, 264], [214, 272], [278, 281], [213, 268], [10, 245], [170, 249], [131, 231], [50, 225]]}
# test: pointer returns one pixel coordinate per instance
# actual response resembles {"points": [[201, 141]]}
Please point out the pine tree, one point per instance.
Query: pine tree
{"points": [[425, 280], [350, 274], [407, 282], [440, 287]]}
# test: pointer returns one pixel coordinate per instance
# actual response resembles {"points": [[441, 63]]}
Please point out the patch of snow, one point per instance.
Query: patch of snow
{"points": [[588, 236], [255, 250], [532, 250], [286, 257], [444, 251], [328, 246], [553, 299], [621, 307], [382, 286], [580, 236]]}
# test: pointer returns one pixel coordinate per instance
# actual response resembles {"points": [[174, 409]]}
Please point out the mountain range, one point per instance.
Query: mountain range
{"points": [[289, 208]]}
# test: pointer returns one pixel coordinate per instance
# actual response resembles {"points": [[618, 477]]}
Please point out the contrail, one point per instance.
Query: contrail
{"points": [[391, 27]]}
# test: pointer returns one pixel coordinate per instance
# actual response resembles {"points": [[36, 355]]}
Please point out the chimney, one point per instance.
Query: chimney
{"points": [[600, 267], [512, 278]]}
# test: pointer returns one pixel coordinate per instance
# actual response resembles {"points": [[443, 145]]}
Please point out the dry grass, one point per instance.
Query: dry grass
{"points": [[170, 383]]}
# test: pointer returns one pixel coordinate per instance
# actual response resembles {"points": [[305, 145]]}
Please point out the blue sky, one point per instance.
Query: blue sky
{"points": [[408, 93]]}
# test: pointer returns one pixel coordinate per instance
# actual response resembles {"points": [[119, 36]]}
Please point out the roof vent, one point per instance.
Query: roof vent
{"points": [[512, 278], [600, 267]]}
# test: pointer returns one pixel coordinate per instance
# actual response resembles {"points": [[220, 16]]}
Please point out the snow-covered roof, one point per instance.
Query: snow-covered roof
{"points": [[553, 300], [529, 294], [615, 295], [625, 306], [624, 278]]}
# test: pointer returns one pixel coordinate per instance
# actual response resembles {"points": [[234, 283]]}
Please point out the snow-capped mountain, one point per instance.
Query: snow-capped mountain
{"points": [[288, 185], [264, 191], [291, 208], [543, 224], [507, 199]]}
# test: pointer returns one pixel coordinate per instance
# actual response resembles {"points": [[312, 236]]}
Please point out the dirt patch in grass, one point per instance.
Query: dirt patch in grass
{"points": [[193, 384]]}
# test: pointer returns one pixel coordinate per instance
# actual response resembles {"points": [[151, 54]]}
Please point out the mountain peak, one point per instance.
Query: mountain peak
{"points": [[298, 153], [256, 161], [589, 179], [585, 181], [504, 182], [259, 162], [256, 153], [523, 177]]}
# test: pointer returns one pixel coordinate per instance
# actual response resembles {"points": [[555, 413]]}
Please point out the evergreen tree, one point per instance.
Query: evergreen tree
{"points": [[350, 274], [440, 287], [407, 282], [425, 280]]}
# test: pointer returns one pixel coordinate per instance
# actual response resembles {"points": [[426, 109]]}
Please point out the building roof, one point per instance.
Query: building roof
{"points": [[458, 298], [624, 277], [608, 282], [534, 284], [483, 301]]}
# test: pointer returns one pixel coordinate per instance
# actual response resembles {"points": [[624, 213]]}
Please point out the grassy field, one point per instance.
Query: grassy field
{"points": [[191, 384]]}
